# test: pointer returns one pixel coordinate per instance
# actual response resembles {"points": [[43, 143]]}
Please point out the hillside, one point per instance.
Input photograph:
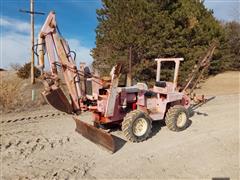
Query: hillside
{"points": [[221, 84], [16, 93]]}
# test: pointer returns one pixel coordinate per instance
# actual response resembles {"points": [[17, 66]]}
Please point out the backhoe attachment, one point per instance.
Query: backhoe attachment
{"points": [[62, 62], [58, 100]]}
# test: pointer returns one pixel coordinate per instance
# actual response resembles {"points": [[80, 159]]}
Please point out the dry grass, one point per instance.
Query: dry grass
{"points": [[15, 93], [221, 84], [9, 96]]}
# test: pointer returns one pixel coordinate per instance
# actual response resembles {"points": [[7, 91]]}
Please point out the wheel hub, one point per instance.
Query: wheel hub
{"points": [[181, 120], [140, 127]]}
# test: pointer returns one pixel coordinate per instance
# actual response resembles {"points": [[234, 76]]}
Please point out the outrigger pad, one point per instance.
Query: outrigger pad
{"points": [[58, 100], [97, 136]]}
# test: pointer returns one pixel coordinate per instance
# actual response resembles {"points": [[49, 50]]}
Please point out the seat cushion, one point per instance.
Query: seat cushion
{"points": [[162, 84], [150, 94]]}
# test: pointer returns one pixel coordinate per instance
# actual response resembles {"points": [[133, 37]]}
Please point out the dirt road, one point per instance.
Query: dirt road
{"points": [[48, 147]]}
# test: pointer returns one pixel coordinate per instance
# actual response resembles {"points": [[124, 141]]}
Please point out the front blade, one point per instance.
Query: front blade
{"points": [[98, 136]]}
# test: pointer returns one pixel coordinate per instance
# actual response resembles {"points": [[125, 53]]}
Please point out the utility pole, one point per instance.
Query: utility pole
{"points": [[32, 40], [32, 12]]}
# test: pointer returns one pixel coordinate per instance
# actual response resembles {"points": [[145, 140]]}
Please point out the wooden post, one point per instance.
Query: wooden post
{"points": [[32, 41], [31, 12], [129, 75]]}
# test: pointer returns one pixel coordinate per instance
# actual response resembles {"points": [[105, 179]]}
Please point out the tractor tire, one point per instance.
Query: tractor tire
{"points": [[136, 126], [177, 118]]}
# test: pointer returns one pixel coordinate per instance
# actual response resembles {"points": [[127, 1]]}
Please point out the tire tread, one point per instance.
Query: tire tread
{"points": [[127, 126], [170, 118]]}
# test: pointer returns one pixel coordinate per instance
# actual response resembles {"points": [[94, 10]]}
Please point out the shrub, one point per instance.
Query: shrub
{"points": [[24, 72], [15, 66]]}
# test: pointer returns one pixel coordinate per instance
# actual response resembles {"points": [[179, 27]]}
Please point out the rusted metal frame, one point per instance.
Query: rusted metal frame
{"points": [[175, 78], [49, 25], [54, 44], [177, 63], [97, 77], [189, 81], [44, 36], [129, 74], [169, 59], [80, 73], [36, 47], [51, 53], [73, 63], [201, 63], [68, 75], [199, 78], [158, 70], [193, 75], [40, 52], [113, 92], [205, 64]]}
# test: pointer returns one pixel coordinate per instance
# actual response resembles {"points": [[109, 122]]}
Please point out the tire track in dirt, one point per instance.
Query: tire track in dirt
{"points": [[28, 147], [6, 134], [75, 171], [32, 117]]}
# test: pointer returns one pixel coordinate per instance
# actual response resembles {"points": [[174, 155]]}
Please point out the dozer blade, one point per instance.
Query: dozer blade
{"points": [[98, 136], [58, 100]]}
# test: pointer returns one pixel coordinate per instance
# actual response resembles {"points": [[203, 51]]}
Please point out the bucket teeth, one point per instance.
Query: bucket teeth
{"points": [[97, 136]]}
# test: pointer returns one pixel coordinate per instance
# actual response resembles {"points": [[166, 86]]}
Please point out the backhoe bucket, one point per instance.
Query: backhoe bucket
{"points": [[58, 100], [98, 136]]}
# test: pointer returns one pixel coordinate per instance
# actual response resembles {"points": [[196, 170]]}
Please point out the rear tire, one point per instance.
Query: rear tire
{"points": [[137, 126], [177, 118]]}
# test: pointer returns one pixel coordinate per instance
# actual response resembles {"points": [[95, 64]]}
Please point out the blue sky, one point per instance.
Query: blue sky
{"points": [[77, 22]]}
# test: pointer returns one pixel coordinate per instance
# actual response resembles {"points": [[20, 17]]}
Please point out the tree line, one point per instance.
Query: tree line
{"points": [[162, 28]]}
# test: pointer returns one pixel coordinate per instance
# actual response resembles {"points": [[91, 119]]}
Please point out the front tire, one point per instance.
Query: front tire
{"points": [[177, 118], [137, 126]]}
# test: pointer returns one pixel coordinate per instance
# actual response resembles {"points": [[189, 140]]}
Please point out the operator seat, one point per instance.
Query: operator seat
{"points": [[161, 84]]}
